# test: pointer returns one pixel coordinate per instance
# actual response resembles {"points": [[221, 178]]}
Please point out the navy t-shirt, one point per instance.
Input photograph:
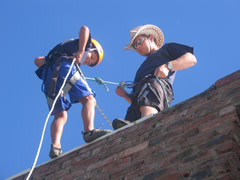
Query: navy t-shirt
{"points": [[168, 52], [70, 47]]}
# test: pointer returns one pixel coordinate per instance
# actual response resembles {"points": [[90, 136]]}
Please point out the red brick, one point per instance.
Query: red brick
{"points": [[224, 147], [200, 121], [227, 110], [175, 176], [226, 176], [101, 163], [199, 139], [116, 164], [132, 150], [228, 79], [212, 124], [196, 139]]}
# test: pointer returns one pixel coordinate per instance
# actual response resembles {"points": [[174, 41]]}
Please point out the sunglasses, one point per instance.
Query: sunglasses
{"points": [[139, 42]]}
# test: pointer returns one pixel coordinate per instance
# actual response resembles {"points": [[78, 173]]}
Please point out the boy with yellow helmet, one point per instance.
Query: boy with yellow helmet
{"points": [[53, 69]]}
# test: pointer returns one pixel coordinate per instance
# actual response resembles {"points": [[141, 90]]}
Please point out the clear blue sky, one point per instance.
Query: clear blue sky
{"points": [[31, 28]]}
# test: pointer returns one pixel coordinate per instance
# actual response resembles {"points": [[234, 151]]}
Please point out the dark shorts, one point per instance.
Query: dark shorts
{"points": [[149, 92]]}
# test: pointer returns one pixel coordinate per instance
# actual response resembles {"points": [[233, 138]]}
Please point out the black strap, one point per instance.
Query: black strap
{"points": [[53, 81]]}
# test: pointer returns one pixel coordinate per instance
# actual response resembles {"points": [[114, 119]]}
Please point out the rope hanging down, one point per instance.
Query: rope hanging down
{"points": [[50, 112], [81, 74], [104, 115]]}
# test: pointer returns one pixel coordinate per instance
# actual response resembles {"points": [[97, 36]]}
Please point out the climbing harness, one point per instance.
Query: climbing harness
{"points": [[67, 86], [46, 121], [70, 83], [164, 90]]}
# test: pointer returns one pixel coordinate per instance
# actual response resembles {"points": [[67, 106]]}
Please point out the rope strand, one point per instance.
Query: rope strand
{"points": [[79, 70], [46, 121], [104, 115], [127, 84]]}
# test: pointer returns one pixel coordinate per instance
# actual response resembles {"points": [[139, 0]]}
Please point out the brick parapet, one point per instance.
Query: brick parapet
{"points": [[196, 139]]}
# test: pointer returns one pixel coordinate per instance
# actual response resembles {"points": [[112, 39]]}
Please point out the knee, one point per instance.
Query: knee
{"points": [[61, 115], [146, 110], [88, 99]]}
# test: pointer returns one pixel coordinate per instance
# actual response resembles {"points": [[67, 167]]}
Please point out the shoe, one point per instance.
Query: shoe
{"points": [[55, 152], [94, 134], [118, 123]]}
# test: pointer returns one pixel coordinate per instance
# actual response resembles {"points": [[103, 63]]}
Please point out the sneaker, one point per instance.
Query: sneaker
{"points": [[94, 134], [118, 123], [55, 152]]}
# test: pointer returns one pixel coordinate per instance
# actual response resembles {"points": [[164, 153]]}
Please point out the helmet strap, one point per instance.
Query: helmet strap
{"points": [[93, 49]]}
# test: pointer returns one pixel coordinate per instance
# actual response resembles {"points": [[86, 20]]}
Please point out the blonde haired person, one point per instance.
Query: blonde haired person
{"points": [[152, 91]]}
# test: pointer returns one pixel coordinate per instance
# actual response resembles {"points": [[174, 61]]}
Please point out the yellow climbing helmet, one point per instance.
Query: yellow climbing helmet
{"points": [[99, 51]]}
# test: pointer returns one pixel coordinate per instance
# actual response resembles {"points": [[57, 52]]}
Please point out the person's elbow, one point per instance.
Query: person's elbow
{"points": [[192, 60], [39, 61], [84, 29]]}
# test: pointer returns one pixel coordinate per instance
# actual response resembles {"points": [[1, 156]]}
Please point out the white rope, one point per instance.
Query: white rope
{"points": [[54, 102]]}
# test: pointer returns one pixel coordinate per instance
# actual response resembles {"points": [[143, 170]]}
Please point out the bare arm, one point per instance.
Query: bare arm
{"points": [[185, 61], [83, 39]]}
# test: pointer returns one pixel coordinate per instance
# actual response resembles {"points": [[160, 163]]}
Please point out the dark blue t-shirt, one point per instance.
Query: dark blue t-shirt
{"points": [[168, 52], [70, 47]]}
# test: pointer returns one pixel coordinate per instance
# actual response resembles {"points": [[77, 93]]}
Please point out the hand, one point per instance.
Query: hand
{"points": [[78, 57], [162, 71], [120, 91]]}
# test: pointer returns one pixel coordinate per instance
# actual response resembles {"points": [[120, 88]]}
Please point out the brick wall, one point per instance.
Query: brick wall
{"points": [[196, 139]]}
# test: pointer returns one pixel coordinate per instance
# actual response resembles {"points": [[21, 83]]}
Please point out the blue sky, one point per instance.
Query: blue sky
{"points": [[31, 28]]}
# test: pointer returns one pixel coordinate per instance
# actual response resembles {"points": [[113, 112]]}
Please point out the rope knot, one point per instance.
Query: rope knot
{"points": [[101, 82]]}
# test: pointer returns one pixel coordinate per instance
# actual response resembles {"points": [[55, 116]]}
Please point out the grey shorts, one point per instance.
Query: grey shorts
{"points": [[149, 92]]}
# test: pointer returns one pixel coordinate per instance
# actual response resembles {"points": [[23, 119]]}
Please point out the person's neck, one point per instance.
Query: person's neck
{"points": [[154, 49]]}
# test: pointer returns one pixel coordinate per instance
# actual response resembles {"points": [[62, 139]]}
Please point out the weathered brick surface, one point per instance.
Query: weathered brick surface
{"points": [[196, 139]]}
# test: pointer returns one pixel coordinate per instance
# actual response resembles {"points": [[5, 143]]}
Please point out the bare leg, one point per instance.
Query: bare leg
{"points": [[57, 126], [88, 112], [146, 110]]}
